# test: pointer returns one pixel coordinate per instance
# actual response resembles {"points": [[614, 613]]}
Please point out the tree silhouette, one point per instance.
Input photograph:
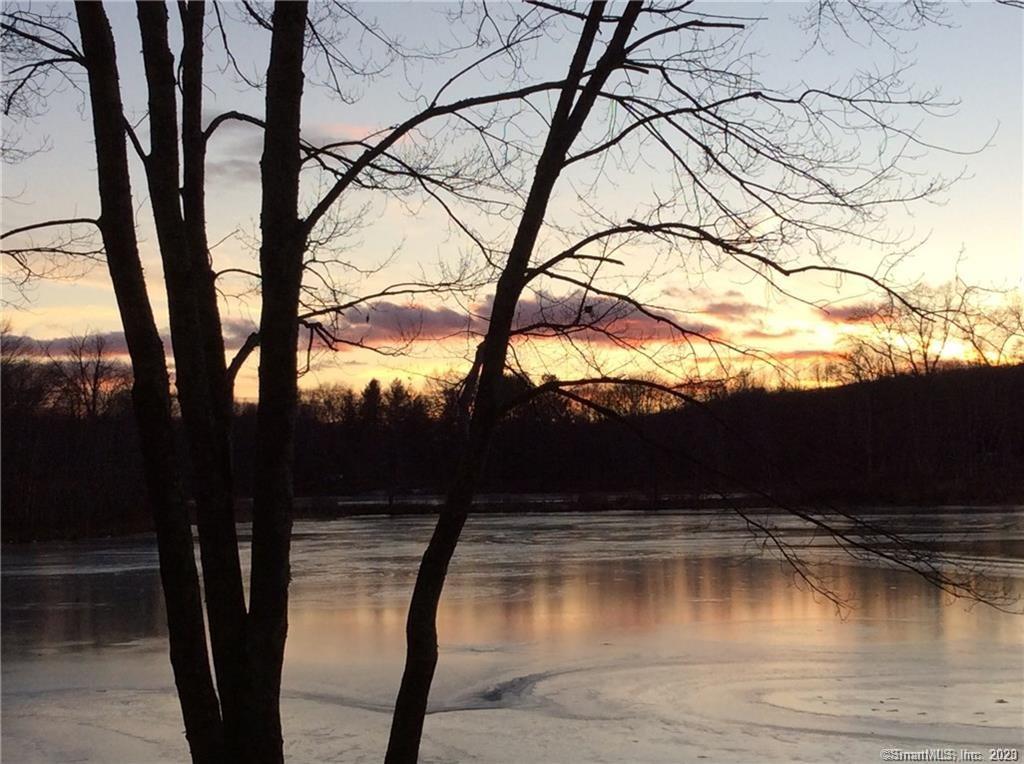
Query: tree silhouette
{"points": [[759, 176], [919, 337], [298, 284]]}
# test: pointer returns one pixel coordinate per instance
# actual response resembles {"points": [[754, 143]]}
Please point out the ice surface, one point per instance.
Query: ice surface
{"points": [[565, 638]]}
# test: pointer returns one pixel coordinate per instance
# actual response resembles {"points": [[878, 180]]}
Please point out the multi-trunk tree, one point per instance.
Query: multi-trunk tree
{"points": [[231, 711], [241, 718]]}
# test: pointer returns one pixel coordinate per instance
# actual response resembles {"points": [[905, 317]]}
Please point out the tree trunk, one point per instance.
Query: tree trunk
{"points": [[421, 624], [202, 408], [421, 636], [281, 255], [194, 205], [150, 394]]}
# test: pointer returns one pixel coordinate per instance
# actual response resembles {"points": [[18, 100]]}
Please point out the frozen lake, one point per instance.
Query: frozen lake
{"points": [[564, 638]]}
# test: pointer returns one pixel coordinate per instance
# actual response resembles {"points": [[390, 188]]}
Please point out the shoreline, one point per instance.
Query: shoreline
{"points": [[326, 508], [331, 507]]}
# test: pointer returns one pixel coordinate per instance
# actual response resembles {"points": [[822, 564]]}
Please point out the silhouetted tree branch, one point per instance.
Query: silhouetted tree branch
{"points": [[769, 179]]}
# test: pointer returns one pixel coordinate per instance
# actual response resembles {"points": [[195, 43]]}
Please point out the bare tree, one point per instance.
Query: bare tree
{"points": [[933, 328], [992, 325], [88, 380], [24, 384], [151, 395], [904, 338], [247, 648], [240, 720], [760, 177]]}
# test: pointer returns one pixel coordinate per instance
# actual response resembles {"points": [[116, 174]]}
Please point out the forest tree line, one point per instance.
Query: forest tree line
{"points": [[952, 433]]}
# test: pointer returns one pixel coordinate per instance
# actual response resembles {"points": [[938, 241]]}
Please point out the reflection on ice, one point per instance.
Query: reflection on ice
{"points": [[590, 631]]}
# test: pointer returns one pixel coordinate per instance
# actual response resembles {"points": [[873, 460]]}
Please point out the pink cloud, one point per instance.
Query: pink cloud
{"points": [[732, 309], [113, 344], [396, 323], [806, 355], [603, 319], [758, 334], [331, 132], [852, 314], [590, 317]]}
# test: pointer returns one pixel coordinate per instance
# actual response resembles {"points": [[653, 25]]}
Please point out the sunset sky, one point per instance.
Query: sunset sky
{"points": [[974, 229]]}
